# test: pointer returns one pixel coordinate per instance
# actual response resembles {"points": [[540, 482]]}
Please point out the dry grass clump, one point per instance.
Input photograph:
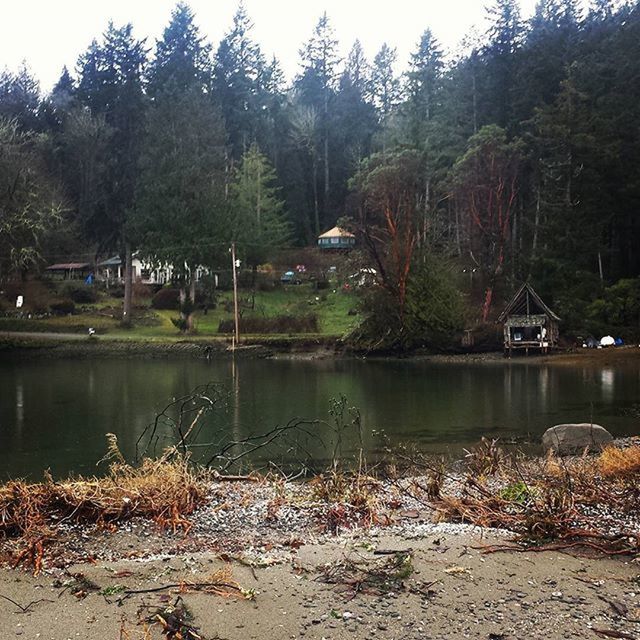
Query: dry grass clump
{"points": [[583, 501], [166, 490], [618, 463], [351, 496]]}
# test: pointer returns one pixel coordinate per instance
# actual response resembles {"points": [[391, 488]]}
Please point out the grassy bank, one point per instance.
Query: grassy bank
{"points": [[332, 308]]}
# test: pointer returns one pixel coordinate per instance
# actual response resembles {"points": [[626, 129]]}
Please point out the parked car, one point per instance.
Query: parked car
{"points": [[290, 277]]}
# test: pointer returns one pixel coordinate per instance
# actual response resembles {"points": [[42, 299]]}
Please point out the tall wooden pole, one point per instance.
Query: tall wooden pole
{"points": [[235, 295]]}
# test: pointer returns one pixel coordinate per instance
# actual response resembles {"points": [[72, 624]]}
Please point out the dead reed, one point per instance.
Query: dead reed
{"points": [[166, 490], [585, 501]]}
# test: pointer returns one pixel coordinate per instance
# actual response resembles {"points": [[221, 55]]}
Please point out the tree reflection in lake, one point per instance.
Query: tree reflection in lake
{"points": [[55, 413]]}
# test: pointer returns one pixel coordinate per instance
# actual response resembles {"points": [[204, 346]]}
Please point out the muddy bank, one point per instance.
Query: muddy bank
{"points": [[50, 345], [42, 346]]}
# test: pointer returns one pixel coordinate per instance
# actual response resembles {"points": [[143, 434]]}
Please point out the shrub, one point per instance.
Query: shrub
{"points": [[268, 285], [141, 290], [619, 306], [433, 313], [37, 295], [307, 323], [487, 337], [518, 492], [168, 299], [63, 307], [80, 293]]}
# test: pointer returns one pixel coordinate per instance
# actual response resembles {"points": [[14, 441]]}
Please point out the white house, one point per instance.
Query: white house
{"points": [[112, 270]]}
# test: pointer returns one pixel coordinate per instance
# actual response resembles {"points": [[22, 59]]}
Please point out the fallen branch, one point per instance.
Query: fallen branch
{"points": [[26, 608]]}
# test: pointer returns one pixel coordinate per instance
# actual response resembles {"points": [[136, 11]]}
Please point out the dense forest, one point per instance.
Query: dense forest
{"points": [[516, 157]]}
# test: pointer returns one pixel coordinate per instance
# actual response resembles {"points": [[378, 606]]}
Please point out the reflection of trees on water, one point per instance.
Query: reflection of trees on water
{"points": [[56, 413]]}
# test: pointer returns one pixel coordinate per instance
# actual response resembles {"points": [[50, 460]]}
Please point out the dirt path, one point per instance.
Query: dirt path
{"points": [[46, 335], [454, 591]]}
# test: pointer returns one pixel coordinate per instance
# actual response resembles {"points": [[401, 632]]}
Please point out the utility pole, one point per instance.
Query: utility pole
{"points": [[236, 338]]}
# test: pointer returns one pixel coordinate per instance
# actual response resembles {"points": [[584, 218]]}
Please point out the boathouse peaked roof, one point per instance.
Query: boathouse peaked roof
{"points": [[522, 302]]}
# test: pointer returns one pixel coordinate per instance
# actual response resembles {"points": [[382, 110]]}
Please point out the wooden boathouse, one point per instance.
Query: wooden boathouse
{"points": [[529, 323]]}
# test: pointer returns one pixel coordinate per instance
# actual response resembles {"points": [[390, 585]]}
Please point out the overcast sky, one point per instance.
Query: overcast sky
{"points": [[51, 33]]}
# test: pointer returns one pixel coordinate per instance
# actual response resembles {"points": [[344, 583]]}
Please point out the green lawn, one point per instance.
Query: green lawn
{"points": [[331, 306]]}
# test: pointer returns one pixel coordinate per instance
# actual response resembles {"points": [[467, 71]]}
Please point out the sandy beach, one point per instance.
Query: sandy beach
{"points": [[262, 561]]}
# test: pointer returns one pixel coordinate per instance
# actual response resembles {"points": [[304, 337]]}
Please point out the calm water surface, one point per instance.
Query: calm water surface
{"points": [[54, 414]]}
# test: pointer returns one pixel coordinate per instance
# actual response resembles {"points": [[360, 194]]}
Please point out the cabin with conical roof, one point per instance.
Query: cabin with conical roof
{"points": [[529, 323], [336, 239]]}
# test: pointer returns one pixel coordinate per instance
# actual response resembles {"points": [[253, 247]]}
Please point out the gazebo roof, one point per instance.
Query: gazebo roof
{"points": [[518, 304], [336, 232]]}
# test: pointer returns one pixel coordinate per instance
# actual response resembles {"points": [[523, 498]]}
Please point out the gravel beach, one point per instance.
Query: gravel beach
{"points": [[297, 571]]}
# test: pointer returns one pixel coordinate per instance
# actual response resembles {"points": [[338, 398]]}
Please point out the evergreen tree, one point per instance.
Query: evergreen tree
{"points": [[385, 85], [181, 206], [111, 87], [20, 98], [354, 119], [182, 60], [357, 70], [425, 126], [61, 99], [240, 75], [259, 222], [505, 40], [316, 86], [275, 125], [424, 82], [547, 54]]}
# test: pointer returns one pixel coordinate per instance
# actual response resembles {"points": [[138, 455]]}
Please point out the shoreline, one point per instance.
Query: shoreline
{"points": [[272, 559], [49, 345]]}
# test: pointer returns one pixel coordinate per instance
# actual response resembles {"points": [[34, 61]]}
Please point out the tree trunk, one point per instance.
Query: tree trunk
{"points": [[326, 178], [326, 156], [192, 298], [316, 212], [427, 207], [474, 99], [457, 223], [128, 285], [486, 307], [536, 227], [600, 270]]}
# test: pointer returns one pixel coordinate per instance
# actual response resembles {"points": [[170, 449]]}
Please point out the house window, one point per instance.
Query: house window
{"points": [[335, 240]]}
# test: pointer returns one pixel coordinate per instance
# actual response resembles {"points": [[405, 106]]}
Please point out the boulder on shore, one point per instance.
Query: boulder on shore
{"points": [[571, 439]]}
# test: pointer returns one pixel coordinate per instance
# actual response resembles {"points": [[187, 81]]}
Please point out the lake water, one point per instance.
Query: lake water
{"points": [[55, 413]]}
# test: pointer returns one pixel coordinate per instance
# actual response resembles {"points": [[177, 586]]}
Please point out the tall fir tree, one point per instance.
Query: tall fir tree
{"points": [[20, 98], [181, 206], [111, 87], [385, 84], [505, 38], [316, 86], [260, 225], [239, 79], [425, 123]]}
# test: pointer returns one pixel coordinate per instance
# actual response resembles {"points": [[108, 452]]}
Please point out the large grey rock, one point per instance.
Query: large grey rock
{"points": [[569, 439]]}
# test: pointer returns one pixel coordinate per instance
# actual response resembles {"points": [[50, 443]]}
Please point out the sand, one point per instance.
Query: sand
{"points": [[455, 591]]}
